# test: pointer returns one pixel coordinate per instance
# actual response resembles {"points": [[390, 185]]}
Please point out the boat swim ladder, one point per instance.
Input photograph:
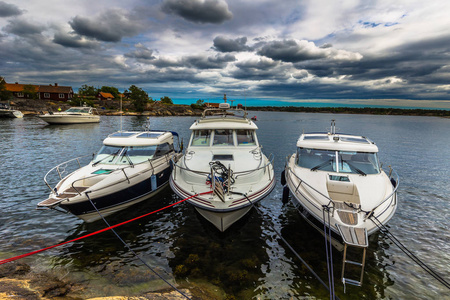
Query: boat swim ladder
{"points": [[355, 238]]}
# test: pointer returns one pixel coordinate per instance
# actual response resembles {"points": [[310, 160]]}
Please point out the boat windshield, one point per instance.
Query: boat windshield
{"points": [[245, 137], [347, 162], [358, 162], [116, 155], [316, 159], [201, 137], [78, 110], [223, 137]]}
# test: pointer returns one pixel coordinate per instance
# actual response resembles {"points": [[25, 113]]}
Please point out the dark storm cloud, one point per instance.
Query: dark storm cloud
{"points": [[261, 69], [196, 61], [23, 28], [208, 62], [291, 51], [414, 63], [199, 11], [74, 41], [141, 53], [9, 10], [261, 64], [224, 44], [110, 26]]}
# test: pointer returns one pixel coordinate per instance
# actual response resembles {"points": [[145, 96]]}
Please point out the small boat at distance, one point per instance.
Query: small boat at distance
{"points": [[338, 180], [132, 166], [223, 156], [74, 115], [7, 112]]}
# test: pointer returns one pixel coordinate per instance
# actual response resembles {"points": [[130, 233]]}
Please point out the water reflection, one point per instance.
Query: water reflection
{"points": [[249, 260], [230, 260]]}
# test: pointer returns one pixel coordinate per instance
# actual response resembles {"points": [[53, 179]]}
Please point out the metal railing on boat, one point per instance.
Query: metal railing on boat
{"points": [[152, 167]]}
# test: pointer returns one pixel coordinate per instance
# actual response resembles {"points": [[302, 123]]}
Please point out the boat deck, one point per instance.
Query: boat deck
{"points": [[70, 192]]}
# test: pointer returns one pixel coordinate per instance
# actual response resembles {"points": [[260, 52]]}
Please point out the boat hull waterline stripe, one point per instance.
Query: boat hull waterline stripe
{"points": [[97, 232]]}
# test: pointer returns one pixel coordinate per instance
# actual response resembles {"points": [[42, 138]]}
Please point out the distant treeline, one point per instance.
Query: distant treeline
{"points": [[356, 110]]}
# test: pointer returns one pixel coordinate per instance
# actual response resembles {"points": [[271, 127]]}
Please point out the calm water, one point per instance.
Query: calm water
{"points": [[249, 260]]}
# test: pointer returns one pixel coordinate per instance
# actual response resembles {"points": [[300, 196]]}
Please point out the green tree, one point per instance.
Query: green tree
{"points": [[110, 89], [30, 91], [139, 98], [4, 94], [87, 90], [166, 100], [198, 105]]}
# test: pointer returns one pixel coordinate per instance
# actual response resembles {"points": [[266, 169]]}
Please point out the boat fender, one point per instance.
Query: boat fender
{"points": [[285, 197], [393, 182], [283, 178], [153, 182]]}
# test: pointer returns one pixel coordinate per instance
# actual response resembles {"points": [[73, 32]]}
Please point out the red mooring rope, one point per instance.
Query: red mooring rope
{"points": [[4, 261]]}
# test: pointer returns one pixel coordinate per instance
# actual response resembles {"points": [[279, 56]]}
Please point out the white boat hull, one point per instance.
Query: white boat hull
{"points": [[224, 220], [10, 113], [223, 214], [308, 193], [69, 119]]}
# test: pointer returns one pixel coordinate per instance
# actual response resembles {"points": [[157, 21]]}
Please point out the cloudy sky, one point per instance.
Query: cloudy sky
{"points": [[285, 50]]}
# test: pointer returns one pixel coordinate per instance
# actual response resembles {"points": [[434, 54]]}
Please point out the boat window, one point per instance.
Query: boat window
{"points": [[137, 154], [222, 157], [223, 137], [358, 162], [163, 149], [316, 137], [354, 139], [107, 154], [201, 137], [149, 135], [122, 134], [73, 109], [316, 159], [245, 137], [85, 110]]}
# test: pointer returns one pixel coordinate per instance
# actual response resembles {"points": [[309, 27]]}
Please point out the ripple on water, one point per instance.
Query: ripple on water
{"points": [[249, 260]]}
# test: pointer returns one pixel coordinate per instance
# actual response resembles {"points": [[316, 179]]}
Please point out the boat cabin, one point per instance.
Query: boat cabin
{"points": [[223, 138], [131, 147], [338, 153]]}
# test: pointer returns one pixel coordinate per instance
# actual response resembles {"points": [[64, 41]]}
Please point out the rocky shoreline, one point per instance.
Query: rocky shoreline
{"points": [[19, 280], [36, 107]]}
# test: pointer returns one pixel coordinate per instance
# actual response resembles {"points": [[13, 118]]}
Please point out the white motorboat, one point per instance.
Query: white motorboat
{"points": [[132, 166], [223, 156], [73, 115], [338, 180], [7, 112]]}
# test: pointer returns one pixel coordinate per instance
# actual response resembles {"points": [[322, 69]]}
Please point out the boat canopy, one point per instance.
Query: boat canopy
{"points": [[336, 142], [139, 138], [224, 123]]}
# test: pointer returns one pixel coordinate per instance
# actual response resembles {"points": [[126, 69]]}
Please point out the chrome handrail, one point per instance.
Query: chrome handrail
{"points": [[127, 178], [151, 168], [270, 162], [56, 168]]}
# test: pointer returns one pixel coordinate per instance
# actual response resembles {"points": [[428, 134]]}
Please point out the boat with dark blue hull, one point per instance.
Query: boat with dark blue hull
{"points": [[132, 166]]}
